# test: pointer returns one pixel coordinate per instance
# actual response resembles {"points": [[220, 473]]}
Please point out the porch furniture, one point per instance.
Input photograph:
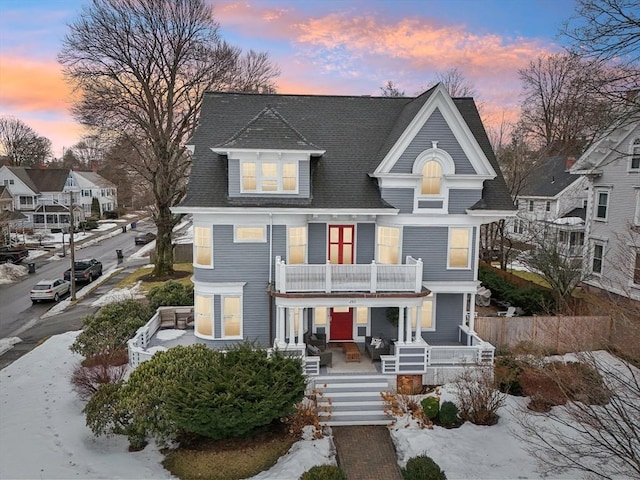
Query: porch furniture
{"points": [[326, 357], [317, 340], [184, 317], [351, 351], [510, 312], [167, 318], [374, 350]]}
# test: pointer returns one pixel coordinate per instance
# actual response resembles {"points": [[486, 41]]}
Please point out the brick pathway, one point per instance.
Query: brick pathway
{"points": [[366, 453]]}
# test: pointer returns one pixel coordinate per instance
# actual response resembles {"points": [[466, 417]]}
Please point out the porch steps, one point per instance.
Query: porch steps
{"points": [[345, 400]]}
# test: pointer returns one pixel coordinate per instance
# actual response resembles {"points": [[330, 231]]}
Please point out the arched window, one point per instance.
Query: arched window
{"points": [[431, 178]]}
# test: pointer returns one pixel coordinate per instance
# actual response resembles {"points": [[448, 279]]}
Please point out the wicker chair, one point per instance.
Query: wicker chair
{"points": [[319, 341]]}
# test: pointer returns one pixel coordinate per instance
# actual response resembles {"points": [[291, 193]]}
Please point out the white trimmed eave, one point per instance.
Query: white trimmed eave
{"points": [[235, 152], [491, 215], [452, 287], [440, 99], [412, 180], [288, 210]]}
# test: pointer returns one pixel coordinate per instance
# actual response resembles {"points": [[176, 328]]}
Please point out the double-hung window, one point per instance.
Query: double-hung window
{"points": [[602, 204], [202, 246], [431, 178], [598, 258], [231, 316], [204, 315], [297, 245], [427, 317], [636, 216], [634, 161], [388, 243], [459, 248]]}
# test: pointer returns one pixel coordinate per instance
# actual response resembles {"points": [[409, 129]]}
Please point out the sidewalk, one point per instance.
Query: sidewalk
{"points": [[366, 453]]}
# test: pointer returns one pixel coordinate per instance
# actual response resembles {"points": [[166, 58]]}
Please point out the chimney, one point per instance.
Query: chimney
{"points": [[570, 162]]}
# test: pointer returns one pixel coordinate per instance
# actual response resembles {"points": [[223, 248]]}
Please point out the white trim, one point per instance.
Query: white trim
{"points": [[306, 244], [440, 99], [232, 152], [250, 240], [296, 210], [351, 302], [596, 202], [452, 287], [634, 144], [592, 257], [278, 178], [636, 216]]}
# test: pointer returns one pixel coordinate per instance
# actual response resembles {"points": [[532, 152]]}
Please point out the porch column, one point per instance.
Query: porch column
{"points": [[280, 330], [401, 327], [419, 338], [472, 313], [301, 326], [408, 323], [292, 330]]}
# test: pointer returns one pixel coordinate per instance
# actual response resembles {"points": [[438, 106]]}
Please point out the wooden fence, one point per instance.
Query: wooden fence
{"points": [[557, 334]]}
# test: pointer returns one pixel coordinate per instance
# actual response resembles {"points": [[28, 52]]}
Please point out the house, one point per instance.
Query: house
{"points": [[9, 218], [344, 217], [611, 167], [552, 202], [43, 195]]}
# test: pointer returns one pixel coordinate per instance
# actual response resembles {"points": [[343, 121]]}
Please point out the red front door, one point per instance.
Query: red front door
{"points": [[341, 324]]}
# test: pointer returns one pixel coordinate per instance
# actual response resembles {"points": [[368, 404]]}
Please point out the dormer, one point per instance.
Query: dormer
{"points": [[268, 157]]}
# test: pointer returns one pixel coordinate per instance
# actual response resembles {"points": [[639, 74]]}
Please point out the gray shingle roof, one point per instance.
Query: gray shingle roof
{"points": [[355, 132], [548, 178]]}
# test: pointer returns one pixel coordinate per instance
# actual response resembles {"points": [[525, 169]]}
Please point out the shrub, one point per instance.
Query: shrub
{"points": [[448, 416], [107, 331], [431, 407], [197, 390], [324, 472], [170, 293], [478, 396], [533, 299], [422, 468], [507, 372], [87, 379], [89, 224]]}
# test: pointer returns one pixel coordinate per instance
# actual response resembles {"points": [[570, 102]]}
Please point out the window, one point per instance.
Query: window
{"points": [[203, 247], [547, 207], [459, 240], [634, 162], [602, 203], [8, 181], [320, 316], [362, 315], [431, 177], [388, 239], [585, 202], [518, 225], [297, 245], [531, 205], [598, 257], [250, 234], [636, 216], [269, 177], [517, 204], [231, 317], [204, 315], [427, 317], [636, 269], [26, 201]]}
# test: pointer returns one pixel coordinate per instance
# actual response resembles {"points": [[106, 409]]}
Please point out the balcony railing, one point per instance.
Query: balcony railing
{"points": [[330, 278]]}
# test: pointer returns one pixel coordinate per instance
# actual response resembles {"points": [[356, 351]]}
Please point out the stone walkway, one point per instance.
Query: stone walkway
{"points": [[366, 453]]}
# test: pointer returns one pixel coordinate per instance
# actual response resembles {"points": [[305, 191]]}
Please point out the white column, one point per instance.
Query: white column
{"points": [[419, 338], [280, 329], [408, 324], [300, 326], [401, 327], [472, 312], [292, 330]]}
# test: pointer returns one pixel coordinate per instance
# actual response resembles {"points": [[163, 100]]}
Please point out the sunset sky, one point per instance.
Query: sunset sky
{"points": [[341, 47]]}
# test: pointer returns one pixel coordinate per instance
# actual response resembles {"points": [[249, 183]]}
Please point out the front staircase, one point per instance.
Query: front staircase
{"points": [[345, 400]]}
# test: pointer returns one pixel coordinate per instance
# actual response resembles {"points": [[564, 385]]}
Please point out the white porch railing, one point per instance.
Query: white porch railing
{"points": [[137, 346], [349, 278]]}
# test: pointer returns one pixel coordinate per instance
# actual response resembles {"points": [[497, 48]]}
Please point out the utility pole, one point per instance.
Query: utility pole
{"points": [[72, 248]]}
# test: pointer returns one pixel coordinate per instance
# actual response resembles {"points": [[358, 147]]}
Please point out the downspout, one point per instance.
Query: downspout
{"points": [[270, 299]]}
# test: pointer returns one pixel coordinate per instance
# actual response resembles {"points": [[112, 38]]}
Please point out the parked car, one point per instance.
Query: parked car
{"points": [[85, 270], [49, 290], [13, 254], [144, 238]]}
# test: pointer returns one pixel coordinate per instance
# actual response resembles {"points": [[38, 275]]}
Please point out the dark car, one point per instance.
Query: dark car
{"points": [[85, 270], [144, 238]]}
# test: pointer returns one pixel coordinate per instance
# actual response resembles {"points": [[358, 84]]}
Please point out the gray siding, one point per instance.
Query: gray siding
{"points": [[400, 198], [435, 128], [304, 178], [430, 204], [460, 200], [430, 244], [380, 326], [317, 243], [365, 242], [449, 313]]}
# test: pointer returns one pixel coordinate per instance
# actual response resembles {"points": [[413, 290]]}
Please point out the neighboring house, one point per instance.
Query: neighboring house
{"points": [[43, 195], [611, 167], [9, 218], [331, 214], [552, 202]]}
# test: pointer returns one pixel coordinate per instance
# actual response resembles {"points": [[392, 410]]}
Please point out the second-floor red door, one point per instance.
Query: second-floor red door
{"points": [[341, 243]]}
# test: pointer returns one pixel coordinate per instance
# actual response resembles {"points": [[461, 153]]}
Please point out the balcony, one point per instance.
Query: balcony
{"points": [[330, 278]]}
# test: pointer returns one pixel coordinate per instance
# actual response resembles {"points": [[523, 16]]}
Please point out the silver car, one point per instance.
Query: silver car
{"points": [[50, 290]]}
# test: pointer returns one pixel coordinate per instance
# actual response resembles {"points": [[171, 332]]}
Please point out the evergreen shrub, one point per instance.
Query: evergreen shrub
{"points": [[170, 293], [324, 472], [422, 468], [430, 407], [448, 415]]}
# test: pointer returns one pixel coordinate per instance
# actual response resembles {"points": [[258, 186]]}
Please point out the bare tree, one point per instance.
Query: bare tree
{"points": [[608, 32], [456, 83], [598, 434], [21, 144], [391, 89], [561, 114], [142, 67], [254, 73]]}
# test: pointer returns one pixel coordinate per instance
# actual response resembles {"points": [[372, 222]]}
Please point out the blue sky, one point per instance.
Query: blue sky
{"points": [[341, 47]]}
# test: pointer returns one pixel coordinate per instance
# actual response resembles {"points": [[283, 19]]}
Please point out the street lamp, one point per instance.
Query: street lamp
{"points": [[72, 250]]}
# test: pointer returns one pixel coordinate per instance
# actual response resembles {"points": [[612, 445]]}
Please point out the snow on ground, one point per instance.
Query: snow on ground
{"points": [[10, 273]]}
